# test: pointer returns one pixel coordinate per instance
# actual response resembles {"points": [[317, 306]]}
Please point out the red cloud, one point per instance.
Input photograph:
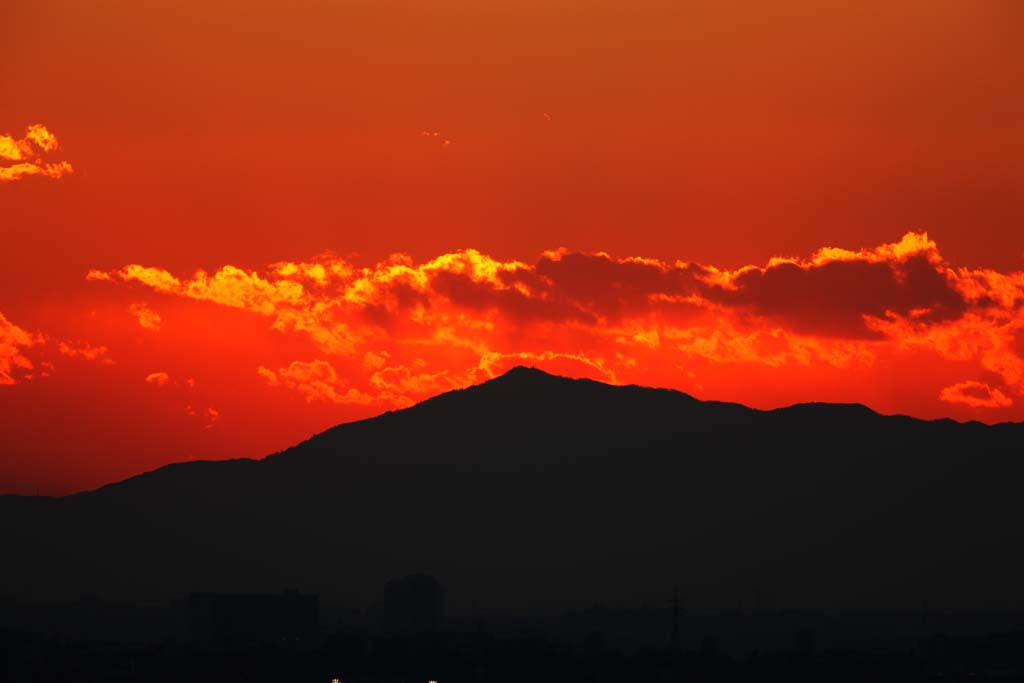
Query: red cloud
{"points": [[16, 366], [316, 380], [146, 317], [158, 378], [832, 298], [976, 395], [95, 353], [402, 331], [211, 415], [13, 341]]}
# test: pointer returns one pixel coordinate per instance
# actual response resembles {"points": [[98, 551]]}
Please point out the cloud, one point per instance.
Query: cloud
{"points": [[27, 152], [211, 415], [158, 378], [987, 335], [396, 383], [15, 366], [146, 317], [976, 395], [316, 380], [94, 353], [829, 294], [832, 299], [402, 330], [13, 341], [775, 346], [208, 415]]}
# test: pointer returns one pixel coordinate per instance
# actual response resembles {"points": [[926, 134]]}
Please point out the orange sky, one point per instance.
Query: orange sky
{"points": [[604, 196]]}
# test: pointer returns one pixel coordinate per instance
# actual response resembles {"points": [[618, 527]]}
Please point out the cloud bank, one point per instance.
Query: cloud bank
{"points": [[398, 331]]}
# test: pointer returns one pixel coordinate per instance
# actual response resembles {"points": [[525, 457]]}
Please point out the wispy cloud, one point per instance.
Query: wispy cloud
{"points": [[13, 343], [146, 317], [316, 380], [94, 353]]}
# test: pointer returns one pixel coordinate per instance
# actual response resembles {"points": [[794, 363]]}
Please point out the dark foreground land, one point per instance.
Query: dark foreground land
{"points": [[844, 545], [104, 643]]}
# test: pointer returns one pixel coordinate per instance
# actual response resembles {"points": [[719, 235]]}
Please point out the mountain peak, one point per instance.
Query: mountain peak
{"points": [[525, 373], [527, 377]]}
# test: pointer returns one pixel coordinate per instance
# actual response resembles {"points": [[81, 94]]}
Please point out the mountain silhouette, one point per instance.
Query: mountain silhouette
{"points": [[538, 491]]}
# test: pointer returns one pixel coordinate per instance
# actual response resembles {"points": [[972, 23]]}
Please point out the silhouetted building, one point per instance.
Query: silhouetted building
{"points": [[413, 604], [232, 619]]}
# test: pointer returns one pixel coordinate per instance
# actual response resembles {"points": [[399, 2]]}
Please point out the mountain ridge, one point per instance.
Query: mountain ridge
{"points": [[533, 489], [518, 378]]}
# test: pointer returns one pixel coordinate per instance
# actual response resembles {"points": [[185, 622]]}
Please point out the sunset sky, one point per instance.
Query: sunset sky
{"points": [[227, 226]]}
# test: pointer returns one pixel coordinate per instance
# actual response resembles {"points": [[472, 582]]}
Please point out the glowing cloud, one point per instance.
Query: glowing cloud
{"points": [[27, 154], [94, 353], [158, 378], [211, 415], [146, 317], [13, 340], [316, 380], [401, 331], [208, 415], [976, 395]]}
